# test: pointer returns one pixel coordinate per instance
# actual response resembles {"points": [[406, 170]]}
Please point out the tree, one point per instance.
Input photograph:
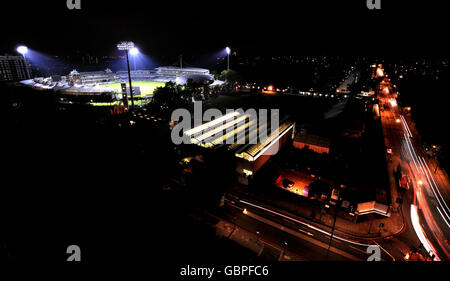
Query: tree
{"points": [[229, 76], [168, 96]]}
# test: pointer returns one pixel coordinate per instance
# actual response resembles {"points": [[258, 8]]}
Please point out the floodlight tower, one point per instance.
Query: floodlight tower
{"points": [[23, 50], [134, 52], [127, 46], [228, 50]]}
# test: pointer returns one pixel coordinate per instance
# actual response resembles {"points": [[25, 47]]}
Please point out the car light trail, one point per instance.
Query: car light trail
{"points": [[412, 156], [413, 152], [436, 192], [432, 187], [305, 224], [435, 195], [437, 189], [392, 257], [405, 125], [419, 232], [420, 163], [443, 216], [306, 232]]}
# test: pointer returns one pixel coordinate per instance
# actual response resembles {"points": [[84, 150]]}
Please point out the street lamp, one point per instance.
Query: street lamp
{"points": [[127, 46], [333, 227], [134, 52], [23, 50], [228, 50]]}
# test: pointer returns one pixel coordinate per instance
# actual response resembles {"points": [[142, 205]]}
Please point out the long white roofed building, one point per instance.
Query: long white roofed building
{"points": [[253, 142]]}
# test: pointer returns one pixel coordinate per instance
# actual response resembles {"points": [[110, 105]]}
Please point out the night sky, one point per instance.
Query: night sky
{"points": [[168, 28]]}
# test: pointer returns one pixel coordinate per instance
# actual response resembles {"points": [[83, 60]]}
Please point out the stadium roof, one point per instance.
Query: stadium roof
{"points": [[91, 73], [252, 153], [182, 69], [234, 130]]}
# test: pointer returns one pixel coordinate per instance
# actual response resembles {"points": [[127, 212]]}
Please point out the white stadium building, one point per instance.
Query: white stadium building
{"points": [[97, 83], [160, 74]]}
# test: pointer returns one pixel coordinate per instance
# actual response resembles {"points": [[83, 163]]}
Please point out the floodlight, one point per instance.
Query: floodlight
{"points": [[134, 51], [128, 46], [228, 50], [22, 49], [125, 45]]}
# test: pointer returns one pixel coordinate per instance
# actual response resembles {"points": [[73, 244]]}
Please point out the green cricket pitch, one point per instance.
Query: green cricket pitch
{"points": [[147, 87]]}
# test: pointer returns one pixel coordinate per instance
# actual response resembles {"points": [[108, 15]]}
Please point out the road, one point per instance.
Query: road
{"points": [[294, 234], [425, 208]]}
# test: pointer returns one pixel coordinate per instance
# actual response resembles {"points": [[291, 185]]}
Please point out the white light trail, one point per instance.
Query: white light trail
{"points": [[415, 155], [439, 198], [432, 177], [405, 125], [443, 216], [305, 224], [419, 232], [412, 156]]}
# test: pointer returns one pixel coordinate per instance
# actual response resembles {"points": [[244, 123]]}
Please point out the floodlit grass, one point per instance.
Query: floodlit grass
{"points": [[136, 103], [147, 87]]}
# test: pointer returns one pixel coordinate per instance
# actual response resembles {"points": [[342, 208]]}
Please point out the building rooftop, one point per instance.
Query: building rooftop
{"points": [[312, 139], [235, 129], [182, 69], [91, 73], [254, 151]]}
